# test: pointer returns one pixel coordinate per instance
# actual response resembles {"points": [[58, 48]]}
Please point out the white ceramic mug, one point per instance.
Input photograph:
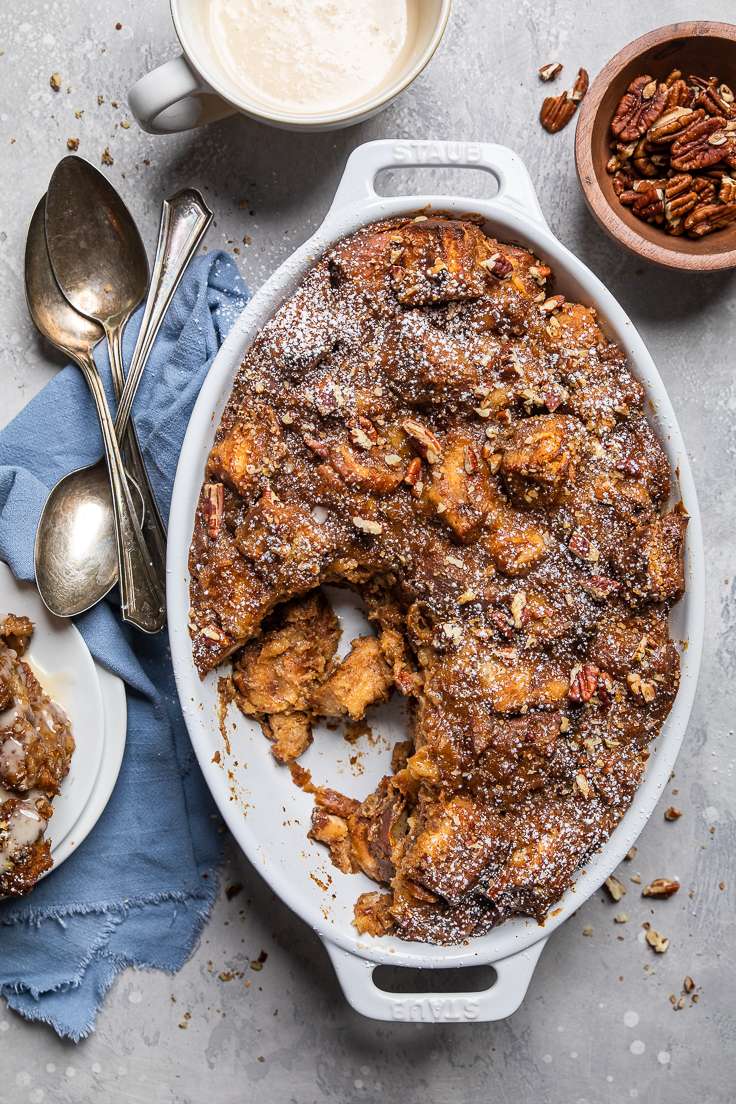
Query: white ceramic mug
{"points": [[194, 88]]}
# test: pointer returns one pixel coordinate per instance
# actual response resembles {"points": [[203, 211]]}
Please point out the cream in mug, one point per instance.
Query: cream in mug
{"points": [[310, 56]]}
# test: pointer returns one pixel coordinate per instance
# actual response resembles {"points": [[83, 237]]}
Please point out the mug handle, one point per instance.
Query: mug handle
{"points": [[173, 98]]}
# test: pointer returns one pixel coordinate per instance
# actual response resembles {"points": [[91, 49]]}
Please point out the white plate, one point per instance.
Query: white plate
{"points": [[93, 699]]}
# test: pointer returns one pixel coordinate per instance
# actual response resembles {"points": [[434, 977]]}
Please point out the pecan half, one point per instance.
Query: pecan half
{"points": [[642, 159], [625, 150], [586, 681], [556, 112], [549, 72], [641, 105], [580, 87], [727, 189], [713, 103], [670, 125], [700, 146], [622, 182], [708, 217], [705, 189], [679, 94], [646, 200], [679, 197], [212, 507]]}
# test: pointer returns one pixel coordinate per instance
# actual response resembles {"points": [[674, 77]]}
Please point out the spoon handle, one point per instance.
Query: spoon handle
{"points": [[141, 592], [153, 526], [185, 218]]}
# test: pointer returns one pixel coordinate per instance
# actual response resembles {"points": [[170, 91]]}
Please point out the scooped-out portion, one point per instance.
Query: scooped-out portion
{"points": [[426, 423], [36, 747]]}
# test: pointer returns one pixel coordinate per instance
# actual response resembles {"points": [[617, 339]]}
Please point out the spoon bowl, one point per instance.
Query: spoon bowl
{"points": [[96, 251], [52, 314], [76, 552]]}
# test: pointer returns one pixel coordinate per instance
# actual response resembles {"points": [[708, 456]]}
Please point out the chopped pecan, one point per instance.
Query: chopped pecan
{"points": [[470, 460], [502, 622], [616, 889], [413, 471], [212, 507], [640, 687], [320, 448], [658, 942], [600, 586], [367, 525], [708, 217], [556, 112], [540, 274], [368, 427], [550, 71], [424, 439], [579, 545], [518, 607], [699, 146], [670, 125], [661, 887], [580, 87], [360, 438], [672, 813], [641, 105], [549, 306]]}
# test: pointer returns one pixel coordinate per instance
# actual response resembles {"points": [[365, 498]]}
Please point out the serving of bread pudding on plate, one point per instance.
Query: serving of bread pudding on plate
{"points": [[36, 747]]}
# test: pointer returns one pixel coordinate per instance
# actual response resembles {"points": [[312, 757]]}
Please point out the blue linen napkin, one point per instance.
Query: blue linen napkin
{"points": [[140, 888]]}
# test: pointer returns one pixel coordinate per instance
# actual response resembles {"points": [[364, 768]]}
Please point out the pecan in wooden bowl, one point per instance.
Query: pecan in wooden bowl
{"points": [[655, 146]]}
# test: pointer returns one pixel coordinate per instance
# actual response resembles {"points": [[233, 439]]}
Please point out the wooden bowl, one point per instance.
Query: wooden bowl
{"points": [[703, 48]]}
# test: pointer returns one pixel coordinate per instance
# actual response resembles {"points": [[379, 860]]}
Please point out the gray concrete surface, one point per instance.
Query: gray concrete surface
{"points": [[597, 1026]]}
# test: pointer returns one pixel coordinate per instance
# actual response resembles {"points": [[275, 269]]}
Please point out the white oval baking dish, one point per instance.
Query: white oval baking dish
{"points": [[266, 813]]}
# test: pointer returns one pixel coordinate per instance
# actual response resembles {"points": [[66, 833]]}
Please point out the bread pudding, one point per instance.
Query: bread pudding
{"points": [[426, 423], [36, 746]]}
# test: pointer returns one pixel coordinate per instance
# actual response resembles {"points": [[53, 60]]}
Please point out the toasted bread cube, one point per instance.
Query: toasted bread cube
{"points": [[362, 679]]}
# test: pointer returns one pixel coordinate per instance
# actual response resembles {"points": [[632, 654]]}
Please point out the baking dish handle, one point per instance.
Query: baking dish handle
{"points": [[515, 188], [504, 996]]}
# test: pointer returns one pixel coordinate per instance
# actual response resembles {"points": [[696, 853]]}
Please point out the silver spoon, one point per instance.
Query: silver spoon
{"points": [[71, 527], [101, 266], [86, 492]]}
